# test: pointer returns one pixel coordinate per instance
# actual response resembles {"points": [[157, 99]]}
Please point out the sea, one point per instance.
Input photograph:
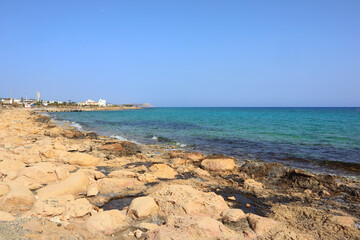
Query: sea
{"points": [[325, 140]]}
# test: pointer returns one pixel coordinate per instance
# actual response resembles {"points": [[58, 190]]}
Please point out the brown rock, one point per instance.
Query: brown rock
{"points": [[72, 134], [143, 207], [106, 222], [52, 206], [122, 148], [163, 171], [74, 184], [185, 200], [193, 156], [201, 172], [222, 164]]}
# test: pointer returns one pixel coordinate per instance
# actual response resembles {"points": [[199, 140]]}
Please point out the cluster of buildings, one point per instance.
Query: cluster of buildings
{"points": [[28, 103]]}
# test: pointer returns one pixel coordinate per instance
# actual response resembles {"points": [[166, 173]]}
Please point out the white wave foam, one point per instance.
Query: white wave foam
{"points": [[123, 139], [181, 144], [154, 138], [76, 125]]}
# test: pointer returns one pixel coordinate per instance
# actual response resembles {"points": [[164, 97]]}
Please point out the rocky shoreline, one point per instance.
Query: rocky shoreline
{"points": [[61, 183]]}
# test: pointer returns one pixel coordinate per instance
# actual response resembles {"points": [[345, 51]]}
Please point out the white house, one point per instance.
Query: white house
{"points": [[102, 103]]}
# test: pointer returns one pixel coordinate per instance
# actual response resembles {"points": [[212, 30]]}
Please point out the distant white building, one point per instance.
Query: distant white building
{"points": [[89, 102], [102, 103]]}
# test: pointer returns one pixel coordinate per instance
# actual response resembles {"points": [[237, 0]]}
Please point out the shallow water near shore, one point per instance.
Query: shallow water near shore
{"points": [[319, 139]]}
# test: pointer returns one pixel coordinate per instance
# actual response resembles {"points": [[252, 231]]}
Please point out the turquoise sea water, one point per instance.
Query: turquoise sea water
{"points": [[323, 139]]}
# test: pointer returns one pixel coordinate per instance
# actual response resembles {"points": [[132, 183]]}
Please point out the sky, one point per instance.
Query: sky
{"points": [[183, 53]]}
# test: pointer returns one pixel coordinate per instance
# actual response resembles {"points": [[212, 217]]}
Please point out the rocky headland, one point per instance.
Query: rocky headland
{"points": [[61, 183]]}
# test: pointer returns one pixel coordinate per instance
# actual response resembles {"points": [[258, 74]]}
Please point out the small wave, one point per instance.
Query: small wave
{"points": [[123, 139], [76, 125], [155, 138]]}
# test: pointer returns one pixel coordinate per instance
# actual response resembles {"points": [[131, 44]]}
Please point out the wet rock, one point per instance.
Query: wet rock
{"points": [[106, 222], [92, 135], [221, 164], [162, 171], [232, 215], [115, 185], [122, 148], [260, 170], [185, 200], [143, 207], [6, 217], [82, 159], [74, 184]]}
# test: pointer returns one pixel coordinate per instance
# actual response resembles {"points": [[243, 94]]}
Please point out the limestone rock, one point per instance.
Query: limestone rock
{"points": [[82, 159], [4, 189], [233, 215], [121, 174], [76, 183], [42, 173], [185, 200], [221, 164], [192, 228], [114, 185], [52, 206], [193, 156], [122, 148], [261, 225], [79, 208], [92, 190], [143, 207], [106, 222], [6, 217], [8, 165], [19, 196], [163, 171]]}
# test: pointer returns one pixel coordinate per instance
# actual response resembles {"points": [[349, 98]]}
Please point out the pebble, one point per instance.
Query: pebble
{"points": [[232, 198], [138, 233], [248, 205]]}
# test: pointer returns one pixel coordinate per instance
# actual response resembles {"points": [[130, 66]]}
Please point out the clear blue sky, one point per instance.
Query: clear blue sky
{"points": [[183, 53]]}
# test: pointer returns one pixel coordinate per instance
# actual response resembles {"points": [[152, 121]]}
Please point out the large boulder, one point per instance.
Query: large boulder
{"points": [[82, 159], [193, 156], [162, 171], [115, 185], [76, 183], [232, 215], [143, 207], [261, 170], [72, 134], [221, 164], [122, 148], [185, 200], [106, 222]]}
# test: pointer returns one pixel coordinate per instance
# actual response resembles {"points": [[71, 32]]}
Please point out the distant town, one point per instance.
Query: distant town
{"points": [[38, 103]]}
